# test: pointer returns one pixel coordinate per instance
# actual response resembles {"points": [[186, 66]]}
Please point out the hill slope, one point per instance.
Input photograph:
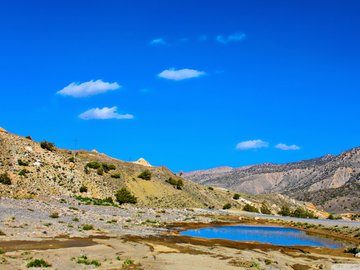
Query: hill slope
{"points": [[331, 182], [37, 172]]}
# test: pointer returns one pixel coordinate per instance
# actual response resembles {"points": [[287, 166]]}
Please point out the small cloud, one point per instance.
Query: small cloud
{"points": [[180, 74], [230, 38], [252, 144], [286, 147], [158, 41], [89, 88], [103, 114]]}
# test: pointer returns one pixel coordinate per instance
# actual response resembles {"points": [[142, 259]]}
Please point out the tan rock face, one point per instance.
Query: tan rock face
{"points": [[143, 162], [2, 129]]}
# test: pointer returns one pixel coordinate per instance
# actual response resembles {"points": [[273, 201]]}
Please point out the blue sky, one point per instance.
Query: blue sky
{"points": [[187, 84]]}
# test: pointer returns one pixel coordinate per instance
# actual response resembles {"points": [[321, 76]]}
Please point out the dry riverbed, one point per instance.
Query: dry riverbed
{"points": [[67, 234]]}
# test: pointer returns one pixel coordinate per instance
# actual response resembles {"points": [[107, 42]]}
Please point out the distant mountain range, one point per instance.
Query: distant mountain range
{"points": [[330, 182]]}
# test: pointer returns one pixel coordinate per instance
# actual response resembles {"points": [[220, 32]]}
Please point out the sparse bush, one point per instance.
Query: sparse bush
{"points": [[236, 196], [303, 213], [54, 215], [87, 227], [146, 175], [83, 189], [210, 188], [100, 171], [29, 138], [265, 209], [227, 206], [23, 172], [177, 183], [72, 159], [93, 165], [22, 163], [94, 201], [5, 179], [125, 196], [116, 175], [250, 208], [38, 263], [108, 167], [84, 260], [47, 145]]}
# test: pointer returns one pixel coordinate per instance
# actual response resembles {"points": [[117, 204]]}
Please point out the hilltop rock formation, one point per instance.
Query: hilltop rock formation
{"points": [[331, 182], [142, 162]]}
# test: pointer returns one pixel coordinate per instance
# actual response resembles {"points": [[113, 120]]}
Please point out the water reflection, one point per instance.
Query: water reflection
{"points": [[264, 234]]}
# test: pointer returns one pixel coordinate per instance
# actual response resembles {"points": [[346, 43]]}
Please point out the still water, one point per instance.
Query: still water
{"points": [[263, 234]]}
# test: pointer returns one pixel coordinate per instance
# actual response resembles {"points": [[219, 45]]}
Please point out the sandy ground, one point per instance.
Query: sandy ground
{"points": [[139, 239]]}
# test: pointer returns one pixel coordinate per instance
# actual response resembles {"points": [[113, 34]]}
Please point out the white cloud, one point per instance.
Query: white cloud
{"points": [[103, 114], [89, 88], [158, 41], [180, 74], [230, 38], [286, 147], [251, 144]]}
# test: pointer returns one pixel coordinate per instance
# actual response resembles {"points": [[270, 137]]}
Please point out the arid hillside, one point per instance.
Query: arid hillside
{"points": [[330, 182], [33, 169]]}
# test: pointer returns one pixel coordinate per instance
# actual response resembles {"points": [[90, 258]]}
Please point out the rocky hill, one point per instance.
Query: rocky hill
{"points": [[32, 169], [330, 182]]}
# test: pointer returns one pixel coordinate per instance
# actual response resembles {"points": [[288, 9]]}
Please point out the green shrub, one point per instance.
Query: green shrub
{"points": [[265, 209], [47, 145], [23, 163], [210, 188], [227, 206], [249, 208], [38, 263], [303, 213], [54, 215], [116, 175], [72, 159], [5, 179], [108, 167], [177, 183], [84, 260], [23, 172], [146, 175], [100, 171], [125, 196], [83, 189], [236, 196], [87, 227], [93, 165], [94, 201], [285, 211]]}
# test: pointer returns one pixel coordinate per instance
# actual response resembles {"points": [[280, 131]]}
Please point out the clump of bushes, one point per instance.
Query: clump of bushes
{"points": [[236, 196], [84, 260], [72, 159], [22, 163], [100, 168], [94, 201], [125, 196], [108, 167], [116, 175], [264, 209], [146, 175], [298, 212], [250, 208], [5, 179], [83, 189], [332, 217], [227, 206], [210, 188], [38, 263], [177, 183], [47, 145]]}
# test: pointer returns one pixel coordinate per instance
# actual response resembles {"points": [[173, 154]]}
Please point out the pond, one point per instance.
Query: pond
{"points": [[264, 234]]}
